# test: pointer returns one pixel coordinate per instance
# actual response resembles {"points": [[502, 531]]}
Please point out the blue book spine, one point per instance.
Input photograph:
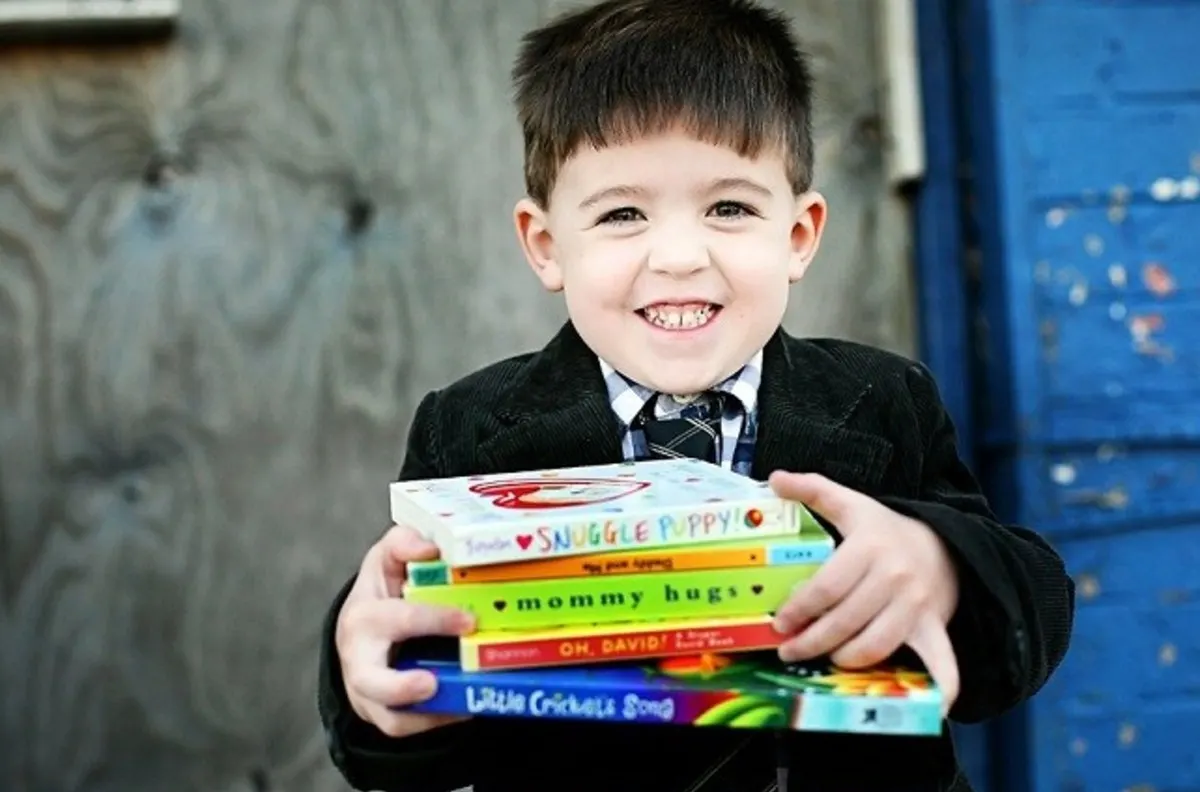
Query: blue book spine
{"points": [[637, 693]]}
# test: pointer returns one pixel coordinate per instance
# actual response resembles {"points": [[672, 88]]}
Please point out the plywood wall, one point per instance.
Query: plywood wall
{"points": [[229, 265]]}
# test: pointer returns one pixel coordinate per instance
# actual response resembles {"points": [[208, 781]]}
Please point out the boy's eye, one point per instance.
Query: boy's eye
{"points": [[626, 214], [732, 209]]}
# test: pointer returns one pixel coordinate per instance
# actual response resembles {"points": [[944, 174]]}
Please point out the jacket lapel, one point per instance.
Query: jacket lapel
{"points": [[808, 407], [556, 415]]}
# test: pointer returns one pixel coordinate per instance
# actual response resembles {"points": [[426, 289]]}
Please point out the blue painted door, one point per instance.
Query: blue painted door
{"points": [[1083, 129]]}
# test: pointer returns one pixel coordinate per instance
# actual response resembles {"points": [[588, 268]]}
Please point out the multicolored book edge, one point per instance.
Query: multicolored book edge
{"points": [[813, 546], [616, 642], [524, 605], [742, 691]]}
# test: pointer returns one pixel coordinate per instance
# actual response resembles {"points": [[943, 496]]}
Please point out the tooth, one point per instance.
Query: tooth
{"points": [[672, 318]]}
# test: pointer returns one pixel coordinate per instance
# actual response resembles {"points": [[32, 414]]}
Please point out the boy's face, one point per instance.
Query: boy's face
{"points": [[674, 255]]}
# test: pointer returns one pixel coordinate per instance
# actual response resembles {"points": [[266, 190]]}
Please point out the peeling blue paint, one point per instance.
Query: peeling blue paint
{"points": [[1083, 130]]}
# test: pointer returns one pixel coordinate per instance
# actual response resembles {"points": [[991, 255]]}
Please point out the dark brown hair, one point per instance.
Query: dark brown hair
{"points": [[728, 71]]}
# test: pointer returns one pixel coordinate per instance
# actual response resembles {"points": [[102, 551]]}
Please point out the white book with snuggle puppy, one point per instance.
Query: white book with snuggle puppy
{"points": [[478, 520]]}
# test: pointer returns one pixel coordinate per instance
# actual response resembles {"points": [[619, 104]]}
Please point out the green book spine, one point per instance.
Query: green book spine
{"points": [[428, 573], [600, 600]]}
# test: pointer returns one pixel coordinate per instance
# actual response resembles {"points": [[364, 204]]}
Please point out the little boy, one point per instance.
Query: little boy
{"points": [[669, 170]]}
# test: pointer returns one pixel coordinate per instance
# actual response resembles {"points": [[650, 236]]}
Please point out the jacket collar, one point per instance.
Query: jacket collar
{"points": [[557, 413]]}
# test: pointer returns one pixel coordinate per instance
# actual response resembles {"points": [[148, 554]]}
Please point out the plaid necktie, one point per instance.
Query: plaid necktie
{"points": [[692, 435]]}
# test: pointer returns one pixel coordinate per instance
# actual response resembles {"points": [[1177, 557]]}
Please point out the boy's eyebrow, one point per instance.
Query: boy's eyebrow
{"points": [[632, 191], [738, 183], [616, 191]]}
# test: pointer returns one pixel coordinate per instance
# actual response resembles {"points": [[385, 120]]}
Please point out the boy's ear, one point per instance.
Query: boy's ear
{"points": [[806, 232], [533, 232]]}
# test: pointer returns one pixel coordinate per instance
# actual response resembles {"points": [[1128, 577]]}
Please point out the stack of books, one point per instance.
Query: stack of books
{"points": [[640, 591]]}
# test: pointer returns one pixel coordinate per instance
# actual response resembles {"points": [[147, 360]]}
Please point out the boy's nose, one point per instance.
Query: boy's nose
{"points": [[678, 256]]}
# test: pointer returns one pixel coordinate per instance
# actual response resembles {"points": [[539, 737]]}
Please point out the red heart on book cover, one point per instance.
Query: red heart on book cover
{"points": [[556, 493], [524, 540]]}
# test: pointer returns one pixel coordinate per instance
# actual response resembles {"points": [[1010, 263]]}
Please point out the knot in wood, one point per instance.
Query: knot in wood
{"points": [[159, 170], [359, 212]]}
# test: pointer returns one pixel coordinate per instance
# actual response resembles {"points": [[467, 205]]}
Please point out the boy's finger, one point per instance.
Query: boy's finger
{"points": [[397, 620], [404, 724], [876, 642], [825, 497], [386, 621], [812, 598], [932, 644], [424, 619], [390, 688], [402, 544], [854, 613]]}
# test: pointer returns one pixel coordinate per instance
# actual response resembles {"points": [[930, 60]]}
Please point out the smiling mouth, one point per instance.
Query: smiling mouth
{"points": [[680, 317]]}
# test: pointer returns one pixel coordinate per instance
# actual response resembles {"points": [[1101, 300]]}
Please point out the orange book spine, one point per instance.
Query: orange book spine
{"points": [[740, 554], [572, 646]]}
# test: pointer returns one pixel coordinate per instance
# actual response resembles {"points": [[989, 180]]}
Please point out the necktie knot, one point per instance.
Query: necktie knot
{"points": [[691, 434]]}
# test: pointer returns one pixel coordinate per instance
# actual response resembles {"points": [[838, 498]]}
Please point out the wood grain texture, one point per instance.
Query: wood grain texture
{"points": [[229, 266]]}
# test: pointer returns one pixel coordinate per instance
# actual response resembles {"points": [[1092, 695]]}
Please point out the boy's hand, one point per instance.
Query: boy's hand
{"points": [[373, 618], [890, 582]]}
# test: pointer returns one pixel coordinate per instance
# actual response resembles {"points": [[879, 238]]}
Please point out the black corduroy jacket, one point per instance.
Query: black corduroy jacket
{"points": [[866, 418]]}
